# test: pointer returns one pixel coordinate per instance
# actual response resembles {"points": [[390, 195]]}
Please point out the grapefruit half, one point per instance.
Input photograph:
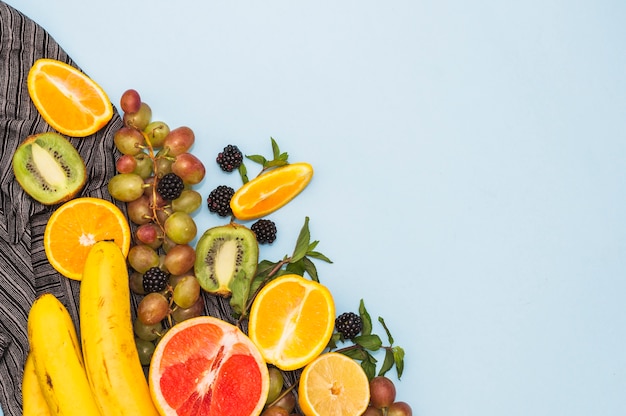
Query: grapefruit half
{"points": [[204, 366]]}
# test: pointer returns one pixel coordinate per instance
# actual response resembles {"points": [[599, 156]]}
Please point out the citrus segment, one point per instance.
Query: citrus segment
{"points": [[333, 385], [270, 191], [77, 225], [206, 366], [291, 321], [69, 101]]}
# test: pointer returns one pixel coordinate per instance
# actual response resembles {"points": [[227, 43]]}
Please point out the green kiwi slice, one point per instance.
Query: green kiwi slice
{"points": [[49, 168], [226, 260]]}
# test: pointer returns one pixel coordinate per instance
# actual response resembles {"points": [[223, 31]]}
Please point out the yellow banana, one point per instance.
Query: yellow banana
{"points": [[33, 401], [57, 359], [111, 359]]}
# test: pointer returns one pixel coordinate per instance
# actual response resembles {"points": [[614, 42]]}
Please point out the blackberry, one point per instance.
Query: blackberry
{"points": [[349, 324], [230, 158], [219, 200], [265, 231], [170, 186], [154, 280]]}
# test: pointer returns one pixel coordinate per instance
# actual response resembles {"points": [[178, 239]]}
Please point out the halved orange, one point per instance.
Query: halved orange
{"points": [[69, 101], [206, 366], [291, 321], [77, 225], [333, 385], [270, 191]]}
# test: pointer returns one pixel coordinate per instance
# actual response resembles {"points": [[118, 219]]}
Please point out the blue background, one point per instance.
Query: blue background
{"points": [[469, 160]]}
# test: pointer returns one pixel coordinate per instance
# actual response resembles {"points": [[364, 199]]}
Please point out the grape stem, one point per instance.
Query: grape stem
{"points": [[284, 393], [153, 206]]}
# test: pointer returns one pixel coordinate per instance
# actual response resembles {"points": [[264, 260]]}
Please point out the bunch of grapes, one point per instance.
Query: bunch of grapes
{"points": [[155, 177]]}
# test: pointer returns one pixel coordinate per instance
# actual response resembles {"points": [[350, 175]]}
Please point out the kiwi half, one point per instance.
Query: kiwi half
{"points": [[49, 168], [226, 259]]}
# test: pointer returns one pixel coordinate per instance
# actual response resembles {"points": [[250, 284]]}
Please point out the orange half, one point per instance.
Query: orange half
{"points": [[291, 321], [69, 101], [270, 191], [76, 226]]}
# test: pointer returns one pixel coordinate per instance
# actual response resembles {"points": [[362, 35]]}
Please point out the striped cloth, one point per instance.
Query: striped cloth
{"points": [[24, 270]]}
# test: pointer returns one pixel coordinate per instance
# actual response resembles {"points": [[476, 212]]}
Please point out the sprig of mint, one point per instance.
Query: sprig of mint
{"points": [[299, 262], [367, 343], [278, 159]]}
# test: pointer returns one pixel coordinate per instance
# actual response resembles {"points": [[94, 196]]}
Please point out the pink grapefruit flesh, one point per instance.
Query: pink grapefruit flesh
{"points": [[206, 366]]}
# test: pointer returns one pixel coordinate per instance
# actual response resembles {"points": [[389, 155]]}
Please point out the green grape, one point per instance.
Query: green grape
{"points": [[129, 141], [147, 332], [139, 211], [145, 349], [186, 292], [144, 165], [126, 187], [141, 257], [136, 283], [180, 228], [140, 118], [276, 384], [180, 314], [156, 131], [188, 201], [163, 166]]}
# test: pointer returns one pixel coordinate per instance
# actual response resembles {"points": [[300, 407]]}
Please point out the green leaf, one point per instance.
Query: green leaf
{"points": [[369, 366], [365, 318], [319, 256], [310, 268], [382, 321], [387, 363], [240, 288], [334, 339], [369, 342], [356, 354], [275, 149], [258, 159], [312, 245], [275, 163], [398, 356], [243, 172], [297, 267], [302, 244]]}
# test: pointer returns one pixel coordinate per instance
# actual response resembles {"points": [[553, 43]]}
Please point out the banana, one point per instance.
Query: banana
{"points": [[57, 359], [33, 401], [111, 359]]}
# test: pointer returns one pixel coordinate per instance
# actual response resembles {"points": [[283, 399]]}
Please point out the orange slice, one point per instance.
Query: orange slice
{"points": [[77, 225], [206, 366], [270, 191], [291, 321], [333, 385], [69, 101]]}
